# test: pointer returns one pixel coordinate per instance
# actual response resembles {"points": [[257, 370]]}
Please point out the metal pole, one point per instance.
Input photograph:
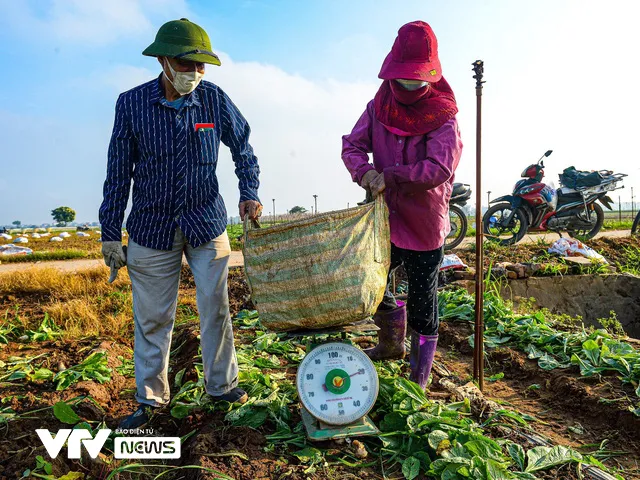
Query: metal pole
{"points": [[633, 205], [488, 198], [274, 210], [478, 347], [619, 209], [315, 201]]}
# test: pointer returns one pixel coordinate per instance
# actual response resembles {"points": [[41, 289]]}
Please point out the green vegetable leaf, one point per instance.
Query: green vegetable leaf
{"points": [[542, 458], [65, 413], [424, 458], [393, 422], [436, 438], [516, 452], [309, 455], [592, 352], [180, 411], [411, 468], [252, 418], [177, 381]]}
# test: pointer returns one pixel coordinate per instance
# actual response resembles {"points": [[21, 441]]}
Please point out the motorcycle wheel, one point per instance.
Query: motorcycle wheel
{"points": [[635, 228], [586, 234], [505, 234], [458, 222]]}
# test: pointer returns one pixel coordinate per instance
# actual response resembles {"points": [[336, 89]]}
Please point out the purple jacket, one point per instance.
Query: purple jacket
{"points": [[418, 174]]}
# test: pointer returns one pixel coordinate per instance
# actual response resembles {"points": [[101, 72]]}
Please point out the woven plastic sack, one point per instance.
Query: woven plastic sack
{"points": [[327, 270]]}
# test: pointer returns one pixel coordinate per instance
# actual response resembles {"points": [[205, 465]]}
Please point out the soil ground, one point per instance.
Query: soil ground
{"points": [[569, 408]]}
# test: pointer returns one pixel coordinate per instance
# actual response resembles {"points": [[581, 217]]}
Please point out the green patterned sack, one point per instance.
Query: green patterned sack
{"points": [[326, 270]]}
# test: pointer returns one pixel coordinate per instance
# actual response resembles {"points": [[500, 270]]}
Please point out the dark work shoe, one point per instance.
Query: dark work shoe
{"points": [[235, 395], [138, 418]]}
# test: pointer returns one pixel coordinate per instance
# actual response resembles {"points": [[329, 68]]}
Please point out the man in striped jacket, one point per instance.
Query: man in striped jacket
{"points": [[165, 139]]}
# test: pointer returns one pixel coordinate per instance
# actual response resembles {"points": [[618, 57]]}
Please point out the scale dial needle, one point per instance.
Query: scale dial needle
{"points": [[324, 385]]}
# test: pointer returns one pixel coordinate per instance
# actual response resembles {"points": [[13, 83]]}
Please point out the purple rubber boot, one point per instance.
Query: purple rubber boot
{"points": [[423, 350], [393, 330]]}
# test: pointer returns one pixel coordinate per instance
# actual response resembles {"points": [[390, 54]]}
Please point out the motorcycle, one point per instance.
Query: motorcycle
{"points": [[635, 228], [457, 218], [536, 207]]}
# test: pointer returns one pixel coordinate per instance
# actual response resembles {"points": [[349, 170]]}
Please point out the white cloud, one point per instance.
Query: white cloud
{"points": [[121, 78], [90, 22], [297, 125]]}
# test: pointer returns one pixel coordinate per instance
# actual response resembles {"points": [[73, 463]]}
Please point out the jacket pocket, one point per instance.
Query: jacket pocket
{"points": [[207, 144]]}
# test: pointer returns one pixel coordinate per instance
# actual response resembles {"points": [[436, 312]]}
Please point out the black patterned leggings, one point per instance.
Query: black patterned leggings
{"points": [[422, 300]]}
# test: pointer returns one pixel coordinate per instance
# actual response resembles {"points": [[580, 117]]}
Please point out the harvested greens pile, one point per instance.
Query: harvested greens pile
{"points": [[418, 436], [594, 352]]}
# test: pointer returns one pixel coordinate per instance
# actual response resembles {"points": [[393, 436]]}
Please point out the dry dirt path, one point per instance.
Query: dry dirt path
{"points": [[237, 259], [552, 237], [75, 265]]}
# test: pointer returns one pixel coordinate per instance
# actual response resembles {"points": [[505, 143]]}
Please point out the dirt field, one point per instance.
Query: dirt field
{"points": [[95, 317]]}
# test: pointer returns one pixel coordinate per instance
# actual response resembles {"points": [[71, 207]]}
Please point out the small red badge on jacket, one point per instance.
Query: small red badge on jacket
{"points": [[204, 126]]}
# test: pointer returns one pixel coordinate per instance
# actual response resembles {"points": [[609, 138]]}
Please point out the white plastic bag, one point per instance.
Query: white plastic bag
{"points": [[14, 250], [21, 240], [570, 247], [56, 239], [452, 262]]}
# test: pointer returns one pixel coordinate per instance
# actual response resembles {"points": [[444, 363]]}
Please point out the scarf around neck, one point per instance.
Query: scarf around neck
{"points": [[418, 112]]}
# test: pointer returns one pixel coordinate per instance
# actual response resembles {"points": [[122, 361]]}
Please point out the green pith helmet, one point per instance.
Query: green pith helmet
{"points": [[182, 39]]}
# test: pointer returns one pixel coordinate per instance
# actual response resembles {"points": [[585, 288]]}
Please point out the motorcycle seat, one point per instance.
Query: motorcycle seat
{"points": [[459, 189]]}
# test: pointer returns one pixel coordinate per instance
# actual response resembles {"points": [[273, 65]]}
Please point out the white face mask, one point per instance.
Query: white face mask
{"points": [[411, 84], [184, 82]]}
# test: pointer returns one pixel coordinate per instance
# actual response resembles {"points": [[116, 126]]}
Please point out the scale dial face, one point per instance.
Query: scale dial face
{"points": [[337, 383]]}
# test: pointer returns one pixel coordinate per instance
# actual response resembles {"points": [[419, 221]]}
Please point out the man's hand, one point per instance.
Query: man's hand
{"points": [[115, 257], [251, 208], [377, 185], [367, 178]]}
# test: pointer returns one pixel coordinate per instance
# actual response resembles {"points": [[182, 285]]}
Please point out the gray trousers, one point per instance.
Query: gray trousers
{"points": [[155, 277]]}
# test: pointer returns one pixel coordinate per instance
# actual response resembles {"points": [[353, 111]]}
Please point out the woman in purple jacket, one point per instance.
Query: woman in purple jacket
{"points": [[411, 129]]}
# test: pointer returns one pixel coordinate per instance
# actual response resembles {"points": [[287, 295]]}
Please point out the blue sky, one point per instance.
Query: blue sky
{"points": [[560, 75]]}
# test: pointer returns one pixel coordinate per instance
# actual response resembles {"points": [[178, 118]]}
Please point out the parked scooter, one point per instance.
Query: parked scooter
{"points": [[635, 228], [536, 207], [459, 196]]}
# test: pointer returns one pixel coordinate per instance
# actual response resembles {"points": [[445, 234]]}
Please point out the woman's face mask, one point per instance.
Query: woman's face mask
{"points": [[411, 85]]}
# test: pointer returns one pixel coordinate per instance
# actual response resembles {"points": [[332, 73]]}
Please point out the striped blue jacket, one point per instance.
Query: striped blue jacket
{"points": [[173, 166]]}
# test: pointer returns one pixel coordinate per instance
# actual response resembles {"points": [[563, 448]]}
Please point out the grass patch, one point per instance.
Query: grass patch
{"points": [[617, 225], [82, 303], [70, 254], [630, 262]]}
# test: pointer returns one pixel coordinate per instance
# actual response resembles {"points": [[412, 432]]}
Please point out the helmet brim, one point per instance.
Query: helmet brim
{"points": [[160, 49]]}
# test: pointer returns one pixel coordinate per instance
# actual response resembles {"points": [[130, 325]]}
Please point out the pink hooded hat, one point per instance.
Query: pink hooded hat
{"points": [[414, 55]]}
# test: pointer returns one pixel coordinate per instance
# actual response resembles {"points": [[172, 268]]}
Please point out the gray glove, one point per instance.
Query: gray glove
{"points": [[115, 257]]}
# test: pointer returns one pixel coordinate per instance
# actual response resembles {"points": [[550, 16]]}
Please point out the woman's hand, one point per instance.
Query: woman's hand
{"points": [[377, 185], [367, 178]]}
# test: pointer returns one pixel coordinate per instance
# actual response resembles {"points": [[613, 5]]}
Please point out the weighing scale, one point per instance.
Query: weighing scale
{"points": [[337, 386]]}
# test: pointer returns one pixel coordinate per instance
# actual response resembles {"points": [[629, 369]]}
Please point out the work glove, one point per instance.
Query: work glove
{"points": [[251, 208], [115, 257], [367, 178]]}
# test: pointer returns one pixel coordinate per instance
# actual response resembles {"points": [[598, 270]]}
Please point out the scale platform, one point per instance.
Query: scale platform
{"points": [[318, 431]]}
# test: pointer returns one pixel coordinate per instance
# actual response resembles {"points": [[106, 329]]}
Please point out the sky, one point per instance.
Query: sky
{"points": [[560, 75]]}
